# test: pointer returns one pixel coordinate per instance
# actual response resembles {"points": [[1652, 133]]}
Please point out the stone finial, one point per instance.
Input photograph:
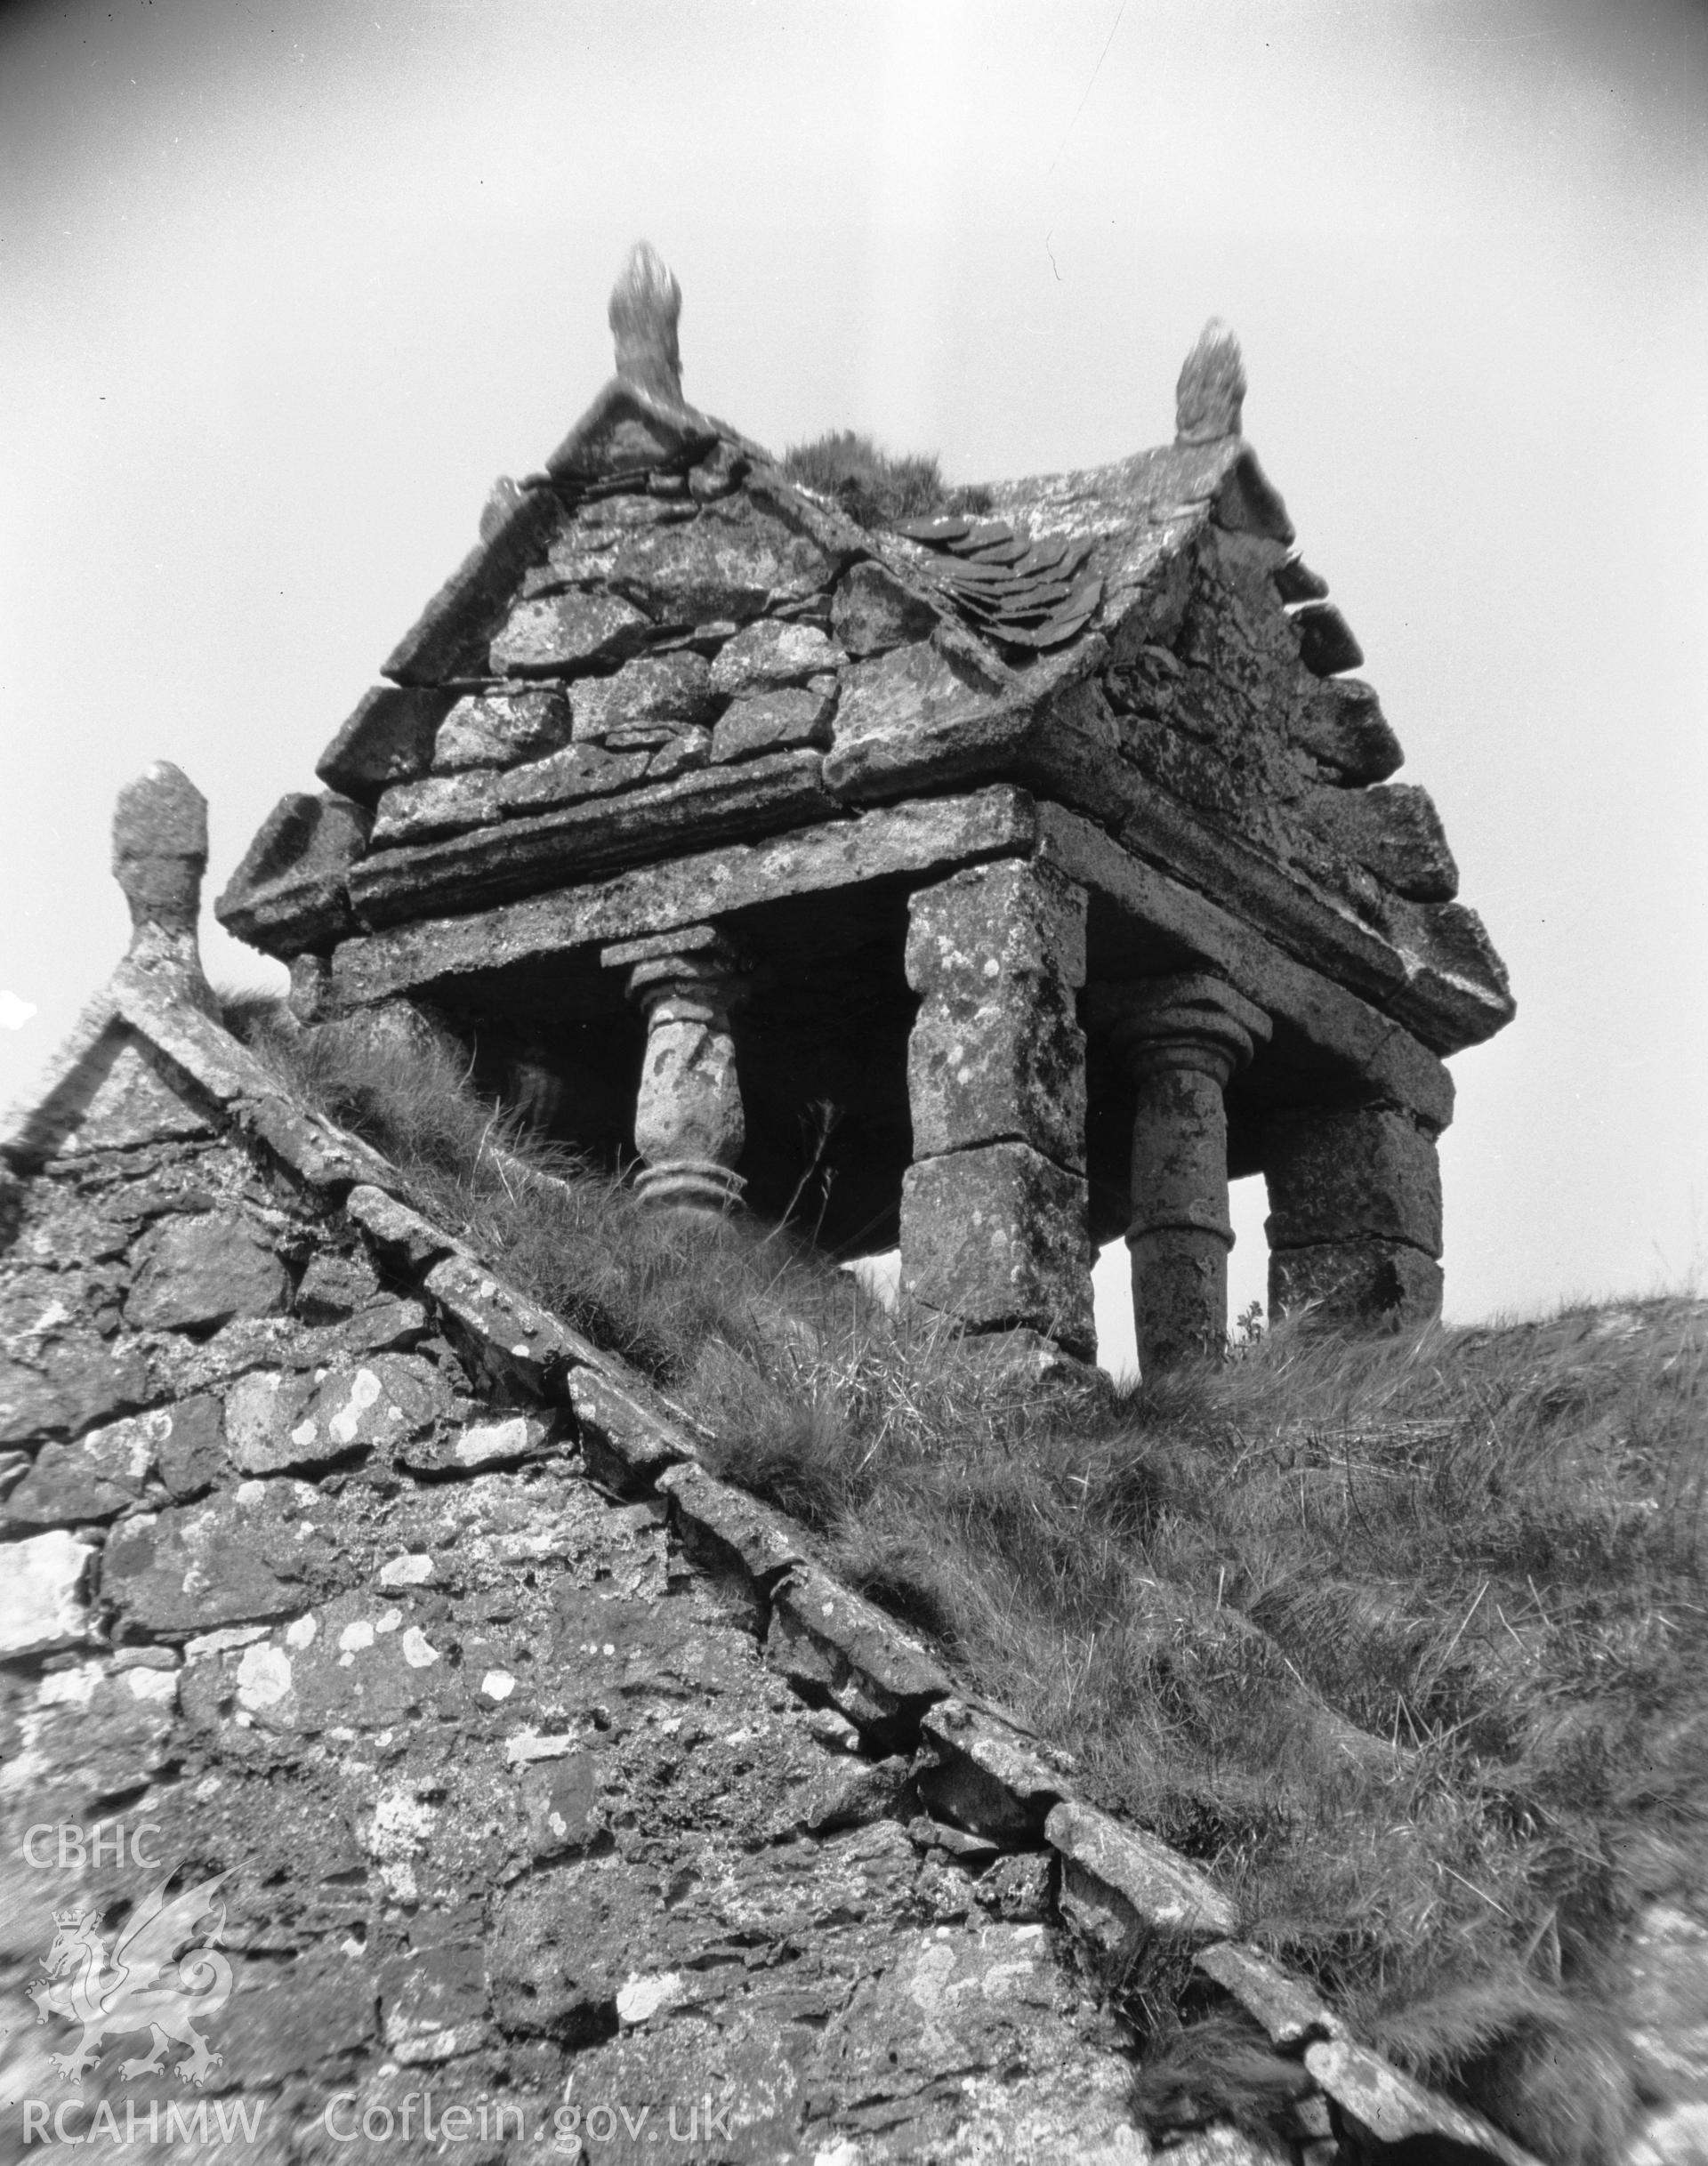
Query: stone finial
{"points": [[160, 849], [159, 855], [1212, 388], [645, 302]]}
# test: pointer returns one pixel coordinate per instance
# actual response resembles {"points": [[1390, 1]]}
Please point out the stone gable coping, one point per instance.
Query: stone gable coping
{"points": [[1119, 1887], [1377, 2097], [835, 1645], [30, 1131], [1289, 2010], [1122, 1885], [719, 1522]]}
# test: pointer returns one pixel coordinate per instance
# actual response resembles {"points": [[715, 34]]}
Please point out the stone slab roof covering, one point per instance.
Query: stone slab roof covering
{"points": [[499, 1752], [661, 645]]}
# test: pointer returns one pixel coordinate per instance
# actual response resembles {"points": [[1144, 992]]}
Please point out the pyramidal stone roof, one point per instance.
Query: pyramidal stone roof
{"points": [[661, 645]]}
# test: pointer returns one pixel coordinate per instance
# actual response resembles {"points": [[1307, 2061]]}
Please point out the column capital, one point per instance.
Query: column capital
{"points": [[693, 960], [1190, 1020]]}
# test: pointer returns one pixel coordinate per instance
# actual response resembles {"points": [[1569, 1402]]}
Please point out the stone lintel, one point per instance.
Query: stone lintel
{"points": [[1450, 1000], [1370, 1051], [290, 892], [1370, 1048], [901, 841], [1436, 973], [515, 857]]}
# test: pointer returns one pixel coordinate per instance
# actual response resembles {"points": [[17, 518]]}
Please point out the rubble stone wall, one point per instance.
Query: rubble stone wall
{"points": [[381, 1648], [512, 1784]]}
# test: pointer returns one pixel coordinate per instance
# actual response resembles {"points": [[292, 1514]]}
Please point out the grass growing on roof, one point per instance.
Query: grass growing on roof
{"points": [[1403, 1637], [876, 487]]}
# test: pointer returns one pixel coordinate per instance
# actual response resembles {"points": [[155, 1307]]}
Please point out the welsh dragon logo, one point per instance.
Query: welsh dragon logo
{"points": [[162, 1976]]}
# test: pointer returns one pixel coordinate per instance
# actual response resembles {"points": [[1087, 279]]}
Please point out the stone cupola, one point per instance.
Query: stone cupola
{"points": [[991, 883]]}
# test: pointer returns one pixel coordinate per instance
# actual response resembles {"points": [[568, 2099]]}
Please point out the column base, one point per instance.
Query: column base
{"points": [[699, 1186], [1356, 1285]]}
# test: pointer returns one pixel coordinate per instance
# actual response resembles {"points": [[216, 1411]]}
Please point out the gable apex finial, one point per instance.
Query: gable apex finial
{"points": [[645, 302], [159, 855], [1212, 388]]}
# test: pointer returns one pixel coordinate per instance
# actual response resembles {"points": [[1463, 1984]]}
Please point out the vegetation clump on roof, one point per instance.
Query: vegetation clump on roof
{"points": [[876, 487], [1401, 1637]]}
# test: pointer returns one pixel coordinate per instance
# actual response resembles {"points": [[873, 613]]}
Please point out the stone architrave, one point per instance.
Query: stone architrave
{"points": [[992, 1209], [689, 1127], [1183, 1039], [1355, 1215]]}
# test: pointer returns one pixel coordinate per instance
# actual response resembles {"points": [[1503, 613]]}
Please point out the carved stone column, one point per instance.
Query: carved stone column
{"points": [[1355, 1215], [992, 1208], [689, 1123], [1183, 1039]]}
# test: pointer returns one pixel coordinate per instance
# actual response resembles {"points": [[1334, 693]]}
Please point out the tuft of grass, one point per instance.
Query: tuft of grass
{"points": [[655, 1289], [876, 487], [1402, 1638], [1219, 2069]]}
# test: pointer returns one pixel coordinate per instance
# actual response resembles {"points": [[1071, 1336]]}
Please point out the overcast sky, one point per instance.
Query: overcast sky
{"points": [[286, 285]]}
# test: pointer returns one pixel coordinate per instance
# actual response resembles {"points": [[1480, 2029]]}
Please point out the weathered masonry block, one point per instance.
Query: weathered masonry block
{"points": [[997, 956], [992, 884], [994, 1207], [1355, 1213]]}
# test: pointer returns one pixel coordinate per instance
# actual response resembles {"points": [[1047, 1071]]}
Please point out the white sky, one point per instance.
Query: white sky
{"points": [[286, 285]]}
